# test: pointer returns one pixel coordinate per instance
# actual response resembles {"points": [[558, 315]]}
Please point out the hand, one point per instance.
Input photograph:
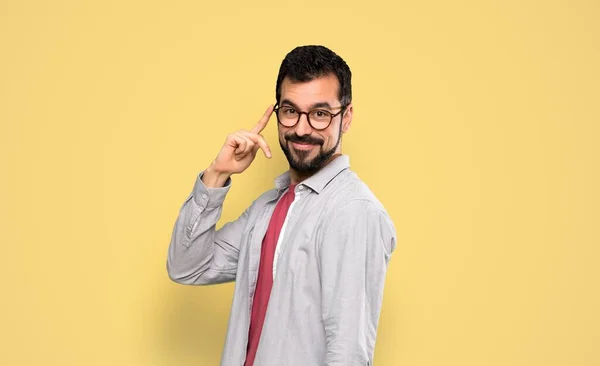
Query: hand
{"points": [[238, 152]]}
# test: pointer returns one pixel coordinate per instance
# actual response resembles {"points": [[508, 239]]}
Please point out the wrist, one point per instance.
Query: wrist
{"points": [[214, 177]]}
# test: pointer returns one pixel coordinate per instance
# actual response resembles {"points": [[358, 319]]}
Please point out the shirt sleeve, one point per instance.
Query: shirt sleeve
{"points": [[354, 254], [198, 253]]}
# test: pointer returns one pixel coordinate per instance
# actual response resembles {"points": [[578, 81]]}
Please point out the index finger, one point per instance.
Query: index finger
{"points": [[262, 123]]}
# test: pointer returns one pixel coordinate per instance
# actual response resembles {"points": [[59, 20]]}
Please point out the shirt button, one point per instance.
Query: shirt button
{"points": [[301, 187], [203, 196]]}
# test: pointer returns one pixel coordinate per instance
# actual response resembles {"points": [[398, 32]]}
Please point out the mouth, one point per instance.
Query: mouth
{"points": [[302, 145]]}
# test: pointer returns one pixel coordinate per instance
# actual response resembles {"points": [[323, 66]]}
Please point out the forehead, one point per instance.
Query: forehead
{"points": [[321, 89]]}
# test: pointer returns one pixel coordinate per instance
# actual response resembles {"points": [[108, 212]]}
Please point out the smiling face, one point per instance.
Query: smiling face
{"points": [[306, 149]]}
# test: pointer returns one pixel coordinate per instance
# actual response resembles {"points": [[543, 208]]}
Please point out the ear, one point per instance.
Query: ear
{"points": [[347, 121]]}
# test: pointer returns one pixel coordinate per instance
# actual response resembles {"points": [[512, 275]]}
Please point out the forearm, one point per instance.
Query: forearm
{"points": [[352, 321], [193, 256]]}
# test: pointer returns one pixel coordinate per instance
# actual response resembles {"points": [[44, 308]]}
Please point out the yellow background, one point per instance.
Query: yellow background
{"points": [[476, 124]]}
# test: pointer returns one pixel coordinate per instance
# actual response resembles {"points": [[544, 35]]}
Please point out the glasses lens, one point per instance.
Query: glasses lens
{"points": [[320, 118], [288, 116]]}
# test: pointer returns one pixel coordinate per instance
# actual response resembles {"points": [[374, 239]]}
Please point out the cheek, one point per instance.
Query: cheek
{"points": [[330, 141]]}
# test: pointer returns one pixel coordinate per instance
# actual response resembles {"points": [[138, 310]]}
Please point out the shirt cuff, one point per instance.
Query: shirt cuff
{"points": [[209, 197]]}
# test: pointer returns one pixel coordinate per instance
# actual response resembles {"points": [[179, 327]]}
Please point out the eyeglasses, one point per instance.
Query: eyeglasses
{"points": [[318, 119]]}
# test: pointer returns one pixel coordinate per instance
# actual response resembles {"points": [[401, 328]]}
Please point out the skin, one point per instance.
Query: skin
{"points": [[240, 148]]}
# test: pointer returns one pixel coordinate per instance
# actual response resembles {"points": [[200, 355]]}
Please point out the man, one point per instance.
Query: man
{"points": [[309, 257]]}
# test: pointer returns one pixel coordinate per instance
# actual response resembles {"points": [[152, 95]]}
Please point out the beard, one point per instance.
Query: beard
{"points": [[300, 161]]}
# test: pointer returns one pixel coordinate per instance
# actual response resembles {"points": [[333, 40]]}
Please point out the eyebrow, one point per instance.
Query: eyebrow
{"points": [[315, 105]]}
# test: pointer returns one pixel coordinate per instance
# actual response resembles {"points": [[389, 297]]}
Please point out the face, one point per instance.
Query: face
{"points": [[306, 149]]}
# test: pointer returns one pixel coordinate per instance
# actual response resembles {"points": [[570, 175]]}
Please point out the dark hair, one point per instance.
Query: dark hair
{"points": [[306, 63]]}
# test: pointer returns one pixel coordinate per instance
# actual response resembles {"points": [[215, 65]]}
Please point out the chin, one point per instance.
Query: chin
{"points": [[306, 161]]}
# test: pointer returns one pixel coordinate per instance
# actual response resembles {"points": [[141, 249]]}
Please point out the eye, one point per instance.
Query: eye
{"points": [[320, 113], [289, 110]]}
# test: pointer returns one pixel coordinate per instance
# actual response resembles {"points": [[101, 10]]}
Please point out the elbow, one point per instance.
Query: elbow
{"points": [[178, 275], [183, 277], [175, 275]]}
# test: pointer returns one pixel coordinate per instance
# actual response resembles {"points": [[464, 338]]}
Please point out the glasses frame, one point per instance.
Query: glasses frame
{"points": [[300, 113]]}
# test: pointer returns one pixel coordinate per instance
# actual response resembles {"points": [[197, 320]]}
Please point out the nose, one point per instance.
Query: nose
{"points": [[303, 127]]}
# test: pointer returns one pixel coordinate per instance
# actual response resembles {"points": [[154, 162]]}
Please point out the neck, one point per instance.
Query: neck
{"points": [[297, 177]]}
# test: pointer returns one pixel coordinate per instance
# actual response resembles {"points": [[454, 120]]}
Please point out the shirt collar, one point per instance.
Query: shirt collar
{"points": [[320, 179]]}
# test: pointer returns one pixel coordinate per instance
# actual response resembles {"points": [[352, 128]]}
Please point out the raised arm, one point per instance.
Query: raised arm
{"points": [[198, 253]]}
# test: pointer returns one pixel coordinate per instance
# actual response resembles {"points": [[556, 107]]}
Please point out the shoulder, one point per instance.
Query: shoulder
{"points": [[352, 207], [348, 193], [262, 200]]}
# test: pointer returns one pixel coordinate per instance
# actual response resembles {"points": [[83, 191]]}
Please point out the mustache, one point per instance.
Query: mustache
{"points": [[303, 139]]}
